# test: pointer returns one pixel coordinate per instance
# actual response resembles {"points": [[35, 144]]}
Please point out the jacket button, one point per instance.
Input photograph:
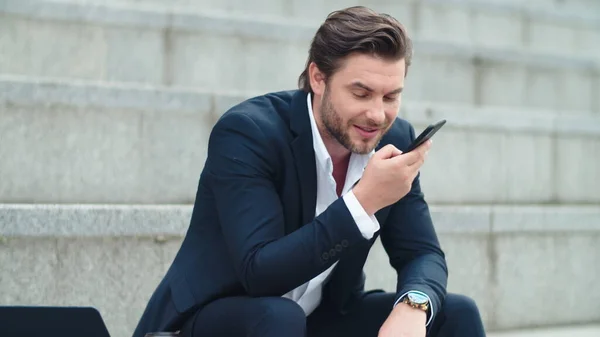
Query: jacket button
{"points": [[338, 247], [332, 252], [344, 243], [325, 256]]}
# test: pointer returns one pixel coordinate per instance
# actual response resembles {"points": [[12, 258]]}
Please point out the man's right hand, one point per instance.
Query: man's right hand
{"points": [[389, 176]]}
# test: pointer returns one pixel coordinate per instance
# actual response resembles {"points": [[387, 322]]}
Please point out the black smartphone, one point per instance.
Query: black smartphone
{"points": [[426, 135]]}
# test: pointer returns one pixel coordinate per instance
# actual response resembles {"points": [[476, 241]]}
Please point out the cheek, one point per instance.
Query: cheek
{"points": [[391, 114], [392, 111], [348, 112], [355, 117]]}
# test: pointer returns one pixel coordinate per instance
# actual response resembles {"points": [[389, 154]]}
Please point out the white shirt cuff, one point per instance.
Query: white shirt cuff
{"points": [[367, 224], [430, 309]]}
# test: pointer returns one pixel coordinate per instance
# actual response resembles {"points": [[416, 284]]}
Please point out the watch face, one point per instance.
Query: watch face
{"points": [[417, 298]]}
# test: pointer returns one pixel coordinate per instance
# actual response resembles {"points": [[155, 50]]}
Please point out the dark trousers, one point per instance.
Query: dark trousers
{"points": [[277, 316]]}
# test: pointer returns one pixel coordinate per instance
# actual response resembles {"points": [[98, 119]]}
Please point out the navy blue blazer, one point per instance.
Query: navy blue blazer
{"points": [[253, 230]]}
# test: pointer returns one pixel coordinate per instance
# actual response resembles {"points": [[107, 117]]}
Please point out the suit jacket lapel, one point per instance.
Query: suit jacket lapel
{"points": [[304, 155]]}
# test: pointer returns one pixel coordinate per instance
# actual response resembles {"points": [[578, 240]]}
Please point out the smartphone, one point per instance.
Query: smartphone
{"points": [[426, 135]]}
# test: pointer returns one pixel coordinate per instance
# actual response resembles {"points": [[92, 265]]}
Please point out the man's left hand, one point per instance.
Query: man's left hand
{"points": [[404, 321]]}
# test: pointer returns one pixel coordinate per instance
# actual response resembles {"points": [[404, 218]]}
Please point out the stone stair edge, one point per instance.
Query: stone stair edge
{"points": [[279, 29], [22, 90], [82, 220], [555, 330], [570, 15], [536, 11]]}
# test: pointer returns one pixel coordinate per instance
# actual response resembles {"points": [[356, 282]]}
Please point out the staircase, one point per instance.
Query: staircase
{"points": [[106, 107]]}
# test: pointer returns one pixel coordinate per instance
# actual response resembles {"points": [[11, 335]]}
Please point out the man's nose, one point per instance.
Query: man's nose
{"points": [[376, 114]]}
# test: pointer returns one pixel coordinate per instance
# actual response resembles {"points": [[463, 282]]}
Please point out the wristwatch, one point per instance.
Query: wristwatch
{"points": [[416, 300]]}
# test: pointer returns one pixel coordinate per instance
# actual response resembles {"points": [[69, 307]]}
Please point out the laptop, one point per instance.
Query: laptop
{"points": [[40, 321]]}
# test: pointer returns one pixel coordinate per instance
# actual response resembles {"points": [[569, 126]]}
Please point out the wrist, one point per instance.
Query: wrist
{"points": [[364, 200], [417, 315]]}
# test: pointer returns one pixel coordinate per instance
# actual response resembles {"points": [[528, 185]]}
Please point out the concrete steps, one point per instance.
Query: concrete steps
{"points": [[403, 9], [76, 142], [464, 54], [112, 256], [560, 331]]}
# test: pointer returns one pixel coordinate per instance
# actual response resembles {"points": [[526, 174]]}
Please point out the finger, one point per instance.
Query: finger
{"points": [[396, 152], [424, 147], [422, 151], [420, 159], [413, 171], [408, 159], [388, 151]]}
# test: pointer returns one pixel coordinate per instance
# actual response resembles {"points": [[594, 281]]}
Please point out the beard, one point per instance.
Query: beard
{"points": [[340, 131]]}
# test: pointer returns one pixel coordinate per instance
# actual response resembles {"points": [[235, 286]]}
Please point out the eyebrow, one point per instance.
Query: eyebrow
{"points": [[358, 84]]}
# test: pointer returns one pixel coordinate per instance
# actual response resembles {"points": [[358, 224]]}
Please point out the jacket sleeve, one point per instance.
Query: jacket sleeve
{"points": [[410, 240], [241, 167]]}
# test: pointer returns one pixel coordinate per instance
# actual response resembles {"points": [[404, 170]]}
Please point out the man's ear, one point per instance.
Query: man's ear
{"points": [[317, 79]]}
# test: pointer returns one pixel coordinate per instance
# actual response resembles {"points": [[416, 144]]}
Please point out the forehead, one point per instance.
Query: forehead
{"points": [[376, 72]]}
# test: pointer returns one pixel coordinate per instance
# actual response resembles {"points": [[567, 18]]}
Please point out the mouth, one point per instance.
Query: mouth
{"points": [[366, 132]]}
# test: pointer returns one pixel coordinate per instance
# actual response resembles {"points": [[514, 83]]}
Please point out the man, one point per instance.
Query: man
{"points": [[296, 187]]}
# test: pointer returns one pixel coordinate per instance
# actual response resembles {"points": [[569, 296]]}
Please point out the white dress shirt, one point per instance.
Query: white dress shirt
{"points": [[308, 295]]}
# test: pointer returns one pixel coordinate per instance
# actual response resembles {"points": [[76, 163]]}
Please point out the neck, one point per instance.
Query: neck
{"points": [[338, 153], [340, 158]]}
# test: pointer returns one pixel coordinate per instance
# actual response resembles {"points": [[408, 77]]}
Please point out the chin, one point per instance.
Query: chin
{"points": [[363, 148]]}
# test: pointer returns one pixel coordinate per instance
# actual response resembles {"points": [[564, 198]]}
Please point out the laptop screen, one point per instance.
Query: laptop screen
{"points": [[30, 321]]}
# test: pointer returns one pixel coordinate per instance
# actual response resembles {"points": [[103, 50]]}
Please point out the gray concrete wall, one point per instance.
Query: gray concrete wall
{"points": [[464, 54], [405, 10], [75, 143], [518, 263]]}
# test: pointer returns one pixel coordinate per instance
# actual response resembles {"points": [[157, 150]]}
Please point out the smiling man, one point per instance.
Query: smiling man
{"points": [[296, 188]]}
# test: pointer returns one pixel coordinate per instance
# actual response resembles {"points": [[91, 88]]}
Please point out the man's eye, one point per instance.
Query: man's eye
{"points": [[361, 95]]}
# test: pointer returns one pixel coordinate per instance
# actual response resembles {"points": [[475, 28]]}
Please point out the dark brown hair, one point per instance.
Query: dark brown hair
{"points": [[355, 29]]}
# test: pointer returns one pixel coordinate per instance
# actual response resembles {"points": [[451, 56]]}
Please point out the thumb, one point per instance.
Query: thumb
{"points": [[386, 152]]}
